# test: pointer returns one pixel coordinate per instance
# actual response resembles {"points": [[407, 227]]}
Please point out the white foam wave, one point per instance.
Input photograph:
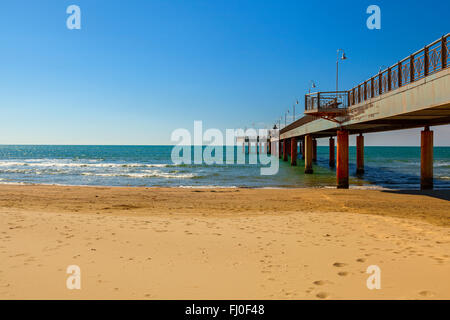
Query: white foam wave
{"points": [[37, 163], [14, 183], [441, 164], [146, 174], [208, 187]]}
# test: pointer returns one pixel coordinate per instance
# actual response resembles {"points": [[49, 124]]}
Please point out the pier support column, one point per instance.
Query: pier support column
{"points": [[243, 147], [280, 149], [331, 161], [308, 154], [293, 151], [360, 154], [269, 146], [303, 148], [314, 151], [285, 157], [342, 159], [426, 159]]}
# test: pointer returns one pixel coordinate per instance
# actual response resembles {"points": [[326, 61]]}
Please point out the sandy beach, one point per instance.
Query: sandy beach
{"points": [[175, 243]]}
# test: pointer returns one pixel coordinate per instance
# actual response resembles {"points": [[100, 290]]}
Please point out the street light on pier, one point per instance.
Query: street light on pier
{"points": [[312, 84], [383, 67], [342, 57], [293, 112]]}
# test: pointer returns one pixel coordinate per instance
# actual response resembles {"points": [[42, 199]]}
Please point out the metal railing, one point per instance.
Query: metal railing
{"points": [[326, 100], [431, 59]]}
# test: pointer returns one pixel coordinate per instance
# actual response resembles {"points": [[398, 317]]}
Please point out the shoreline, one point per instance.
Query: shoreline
{"points": [[354, 187], [319, 187], [174, 243]]}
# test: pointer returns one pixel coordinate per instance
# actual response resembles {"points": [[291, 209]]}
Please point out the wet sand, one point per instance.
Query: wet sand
{"points": [[174, 243]]}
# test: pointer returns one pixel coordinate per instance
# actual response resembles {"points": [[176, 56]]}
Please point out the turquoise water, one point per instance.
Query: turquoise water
{"points": [[390, 167]]}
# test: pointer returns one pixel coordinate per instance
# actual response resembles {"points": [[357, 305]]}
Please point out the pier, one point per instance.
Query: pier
{"points": [[413, 93]]}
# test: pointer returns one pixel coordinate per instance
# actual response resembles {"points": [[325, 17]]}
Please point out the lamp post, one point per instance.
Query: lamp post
{"points": [[293, 110], [383, 67], [343, 57], [312, 84]]}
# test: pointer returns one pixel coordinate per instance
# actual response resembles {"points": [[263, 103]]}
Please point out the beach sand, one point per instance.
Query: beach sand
{"points": [[176, 243]]}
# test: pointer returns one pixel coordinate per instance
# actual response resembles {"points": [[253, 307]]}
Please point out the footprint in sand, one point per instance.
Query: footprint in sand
{"points": [[322, 295], [339, 264], [361, 260], [343, 273], [319, 282], [426, 293]]}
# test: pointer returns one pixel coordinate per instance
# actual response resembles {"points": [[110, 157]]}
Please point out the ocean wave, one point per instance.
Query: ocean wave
{"points": [[36, 171], [10, 163], [215, 165], [367, 187], [441, 164], [36, 163], [208, 187], [17, 171], [14, 183], [146, 174]]}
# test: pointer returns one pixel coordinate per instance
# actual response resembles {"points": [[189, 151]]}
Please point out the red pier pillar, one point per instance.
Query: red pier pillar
{"points": [[280, 149], [302, 147], [360, 154], [308, 154], [314, 151], [285, 157], [331, 144], [426, 159], [293, 151], [342, 160]]}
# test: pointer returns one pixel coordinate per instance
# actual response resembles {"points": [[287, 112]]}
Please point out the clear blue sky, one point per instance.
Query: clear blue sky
{"points": [[139, 69]]}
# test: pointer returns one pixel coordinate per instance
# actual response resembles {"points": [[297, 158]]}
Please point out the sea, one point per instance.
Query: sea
{"points": [[152, 166]]}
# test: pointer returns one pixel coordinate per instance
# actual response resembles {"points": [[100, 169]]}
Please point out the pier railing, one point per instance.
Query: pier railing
{"points": [[319, 101], [431, 59]]}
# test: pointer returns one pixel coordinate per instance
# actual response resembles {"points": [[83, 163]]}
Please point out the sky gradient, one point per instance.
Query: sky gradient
{"points": [[137, 70]]}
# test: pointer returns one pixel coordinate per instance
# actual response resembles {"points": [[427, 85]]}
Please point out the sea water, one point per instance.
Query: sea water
{"points": [[152, 166]]}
